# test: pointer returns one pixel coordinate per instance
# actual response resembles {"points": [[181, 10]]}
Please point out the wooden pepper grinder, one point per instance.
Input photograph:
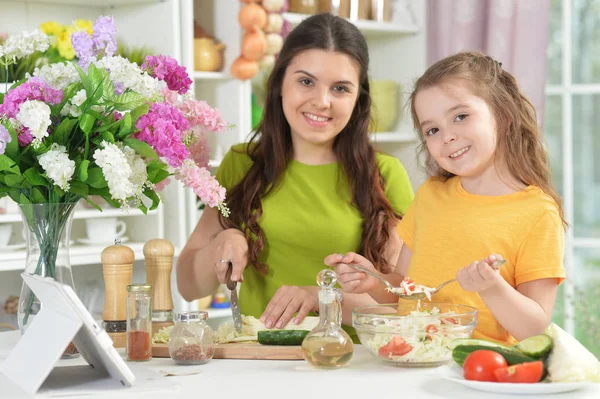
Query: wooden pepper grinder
{"points": [[158, 255], [117, 267]]}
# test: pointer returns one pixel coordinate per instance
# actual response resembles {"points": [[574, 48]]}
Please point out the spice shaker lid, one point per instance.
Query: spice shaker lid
{"points": [[143, 287], [191, 316]]}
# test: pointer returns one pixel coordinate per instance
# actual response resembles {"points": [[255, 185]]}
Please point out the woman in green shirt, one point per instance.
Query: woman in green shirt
{"points": [[308, 183]]}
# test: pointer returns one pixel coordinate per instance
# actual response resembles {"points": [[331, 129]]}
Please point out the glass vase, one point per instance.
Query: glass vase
{"points": [[48, 232]]}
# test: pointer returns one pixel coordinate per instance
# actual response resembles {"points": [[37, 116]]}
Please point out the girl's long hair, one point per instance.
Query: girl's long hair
{"points": [[520, 142], [270, 146]]}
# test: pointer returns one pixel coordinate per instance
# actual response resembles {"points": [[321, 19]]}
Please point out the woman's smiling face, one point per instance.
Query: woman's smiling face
{"points": [[319, 92]]}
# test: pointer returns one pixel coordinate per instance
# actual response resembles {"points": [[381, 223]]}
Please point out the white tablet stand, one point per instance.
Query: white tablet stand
{"points": [[62, 319]]}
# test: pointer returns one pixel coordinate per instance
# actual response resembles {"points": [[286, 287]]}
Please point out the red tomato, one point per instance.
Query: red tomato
{"points": [[530, 372], [448, 320], [481, 364], [410, 283], [396, 347], [431, 329]]}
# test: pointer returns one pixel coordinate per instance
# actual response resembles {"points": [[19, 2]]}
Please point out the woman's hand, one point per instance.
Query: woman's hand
{"points": [[287, 301], [231, 247], [350, 279], [479, 275]]}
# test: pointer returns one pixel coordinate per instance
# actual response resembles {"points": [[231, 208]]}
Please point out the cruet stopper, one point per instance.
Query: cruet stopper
{"points": [[117, 268], [328, 346], [158, 254]]}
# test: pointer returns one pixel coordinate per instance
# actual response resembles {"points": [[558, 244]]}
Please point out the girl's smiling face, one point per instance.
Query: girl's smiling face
{"points": [[319, 92], [459, 129]]}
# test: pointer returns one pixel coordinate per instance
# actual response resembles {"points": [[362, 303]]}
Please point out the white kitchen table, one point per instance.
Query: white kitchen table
{"points": [[363, 377]]}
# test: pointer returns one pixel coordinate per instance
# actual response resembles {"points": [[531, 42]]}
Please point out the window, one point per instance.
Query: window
{"points": [[572, 130]]}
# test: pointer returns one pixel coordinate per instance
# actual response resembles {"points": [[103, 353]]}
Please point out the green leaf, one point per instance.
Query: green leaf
{"points": [[86, 123], [156, 176], [12, 148], [78, 188], [37, 197], [107, 126], [84, 79], [68, 93], [96, 178], [108, 87], [127, 101], [14, 180], [58, 191], [92, 203], [143, 208], [96, 79], [155, 164], [63, 131], [108, 136], [83, 170], [33, 176], [8, 165], [141, 148], [153, 196], [137, 112], [105, 194], [125, 126], [21, 199]]}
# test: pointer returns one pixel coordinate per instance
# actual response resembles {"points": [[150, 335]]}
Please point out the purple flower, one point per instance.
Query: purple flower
{"points": [[167, 69], [25, 137], [34, 89], [163, 129], [119, 88], [4, 139], [104, 35], [84, 48]]}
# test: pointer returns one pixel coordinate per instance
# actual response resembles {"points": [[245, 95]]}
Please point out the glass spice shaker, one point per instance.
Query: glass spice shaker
{"points": [[328, 346], [139, 322], [191, 340]]}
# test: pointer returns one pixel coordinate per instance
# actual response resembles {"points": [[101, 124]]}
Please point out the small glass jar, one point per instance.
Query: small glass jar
{"points": [[191, 340], [139, 322]]}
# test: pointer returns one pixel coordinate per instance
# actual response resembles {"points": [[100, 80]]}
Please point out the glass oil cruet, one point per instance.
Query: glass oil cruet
{"points": [[328, 346]]}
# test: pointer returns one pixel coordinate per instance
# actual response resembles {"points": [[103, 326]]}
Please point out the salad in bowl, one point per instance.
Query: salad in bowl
{"points": [[413, 333]]}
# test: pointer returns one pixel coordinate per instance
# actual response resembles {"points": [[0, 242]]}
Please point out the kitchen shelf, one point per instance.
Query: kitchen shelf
{"points": [[78, 255], [91, 3], [85, 214], [211, 76], [393, 137], [367, 27]]}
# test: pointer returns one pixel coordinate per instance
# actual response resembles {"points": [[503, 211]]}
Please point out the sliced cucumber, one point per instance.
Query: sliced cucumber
{"points": [[512, 355], [282, 337], [536, 346]]}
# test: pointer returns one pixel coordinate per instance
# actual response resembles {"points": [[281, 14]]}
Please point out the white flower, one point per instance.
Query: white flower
{"points": [[131, 76], [58, 76], [139, 176], [35, 115], [57, 165], [79, 98], [116, 171], [23, 44]]}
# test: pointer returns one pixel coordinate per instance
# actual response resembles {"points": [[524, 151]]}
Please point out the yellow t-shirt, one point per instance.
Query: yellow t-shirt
{"points": [[447, 228]]}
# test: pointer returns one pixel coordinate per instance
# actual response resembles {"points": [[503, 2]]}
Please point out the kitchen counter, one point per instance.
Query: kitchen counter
{"points": [[364, 377]]}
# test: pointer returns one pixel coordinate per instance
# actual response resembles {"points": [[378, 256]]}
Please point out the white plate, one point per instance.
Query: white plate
{"points": [[12, 247], [87, 241], [454, 373]]}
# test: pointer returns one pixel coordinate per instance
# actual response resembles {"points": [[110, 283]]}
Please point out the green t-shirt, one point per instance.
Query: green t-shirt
{"points": [[309, 216]]}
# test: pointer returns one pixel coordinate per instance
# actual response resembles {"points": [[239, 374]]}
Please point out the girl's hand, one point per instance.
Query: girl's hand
{"points": [[350, 279], [287, 301], [479, 275], [231, 247]]}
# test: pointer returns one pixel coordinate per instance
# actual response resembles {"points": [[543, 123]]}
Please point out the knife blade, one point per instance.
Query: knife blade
{"points": [[235, 305]]}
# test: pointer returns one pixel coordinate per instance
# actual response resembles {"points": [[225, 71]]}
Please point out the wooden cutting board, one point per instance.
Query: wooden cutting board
{"points": [[244, 350]]}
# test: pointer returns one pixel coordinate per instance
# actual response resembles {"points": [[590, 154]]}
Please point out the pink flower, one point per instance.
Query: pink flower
{"points": [[200, 113], [24, 137], [167, 69], [161, 185], [205, 186], [200, 150], [34, 89], [163, 129]]}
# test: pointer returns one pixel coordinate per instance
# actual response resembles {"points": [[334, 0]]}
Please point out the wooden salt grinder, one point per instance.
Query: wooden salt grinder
{"points": [[117, 267], [158, 255]]}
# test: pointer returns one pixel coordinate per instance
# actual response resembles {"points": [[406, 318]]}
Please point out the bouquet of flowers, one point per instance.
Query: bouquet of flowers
{"points": [[105, 127]]}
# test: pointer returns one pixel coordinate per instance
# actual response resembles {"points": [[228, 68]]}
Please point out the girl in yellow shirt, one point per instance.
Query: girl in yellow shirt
{"points": [[489, 197]]}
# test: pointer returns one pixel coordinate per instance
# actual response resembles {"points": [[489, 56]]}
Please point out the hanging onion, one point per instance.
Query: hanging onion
{"points": [[273, 5], [252, 15], [254, 44], [243, 69], [274, 23], [274, 43]]}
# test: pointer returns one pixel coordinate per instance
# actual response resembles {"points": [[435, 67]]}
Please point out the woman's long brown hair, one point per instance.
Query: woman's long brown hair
{"points": [[270, 146], [520, 142]]}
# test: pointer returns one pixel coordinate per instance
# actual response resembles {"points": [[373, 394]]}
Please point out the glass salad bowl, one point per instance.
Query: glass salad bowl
{"points": [[413, 333]]}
